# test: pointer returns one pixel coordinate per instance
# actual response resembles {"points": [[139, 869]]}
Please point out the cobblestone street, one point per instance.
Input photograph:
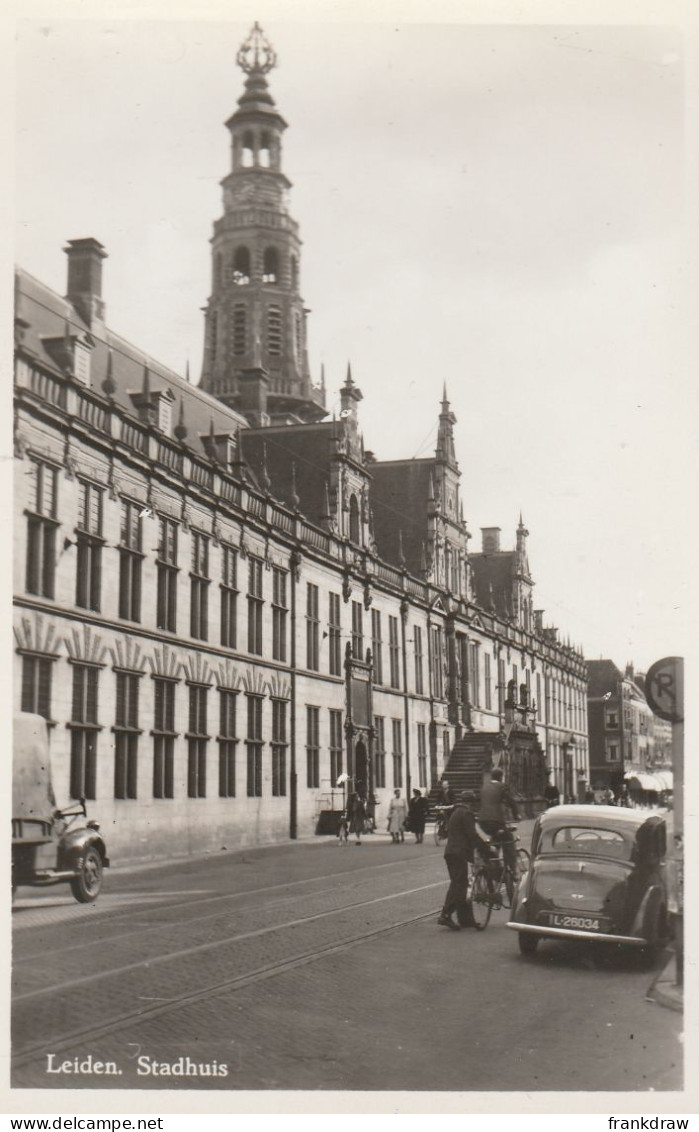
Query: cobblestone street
{"points": [[309, 967]]}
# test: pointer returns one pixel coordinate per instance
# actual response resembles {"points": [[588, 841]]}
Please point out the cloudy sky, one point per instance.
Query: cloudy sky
{"points": [[499, 207]]}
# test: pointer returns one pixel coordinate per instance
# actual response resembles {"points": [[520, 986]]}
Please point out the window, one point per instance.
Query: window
{"points": [[437, 662], [501, 686], [126, 734], [264, 152], [41, 530], [539, 713], [227, 743], [380, 753], [334, 634], [254, 746], [240, 329], [36, 685], [274, 331], [475, 674], [197, 739], [357, 630], [130, 558], [312, 748], [421, 755], [241, 267], [279, 742], [279, 614], [377, 646], [167, 576], [612, 719], [312, 624], [84, 729], [199, 587], [488, 681], [397, 753], [255, 604], [612, 752], [335, 746], [417, 638], [89, 536], [163, 738], [354, 531], [393, 652], [229, 597], [270, 269]]}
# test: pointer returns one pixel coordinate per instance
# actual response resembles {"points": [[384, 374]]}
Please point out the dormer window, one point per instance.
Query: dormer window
{"points": [[81, 362], [163, 411]]}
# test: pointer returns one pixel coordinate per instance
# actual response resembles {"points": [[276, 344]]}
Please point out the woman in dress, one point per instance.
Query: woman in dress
{"points": [[397, 813]]}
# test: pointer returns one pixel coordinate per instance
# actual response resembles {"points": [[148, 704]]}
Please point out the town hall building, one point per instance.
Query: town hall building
{"points": [[228, 611]]}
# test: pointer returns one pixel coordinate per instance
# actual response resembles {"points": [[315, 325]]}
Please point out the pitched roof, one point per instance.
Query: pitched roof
{"points": [[492, 580], [399, 497], [602, 676], [45, 314], [308, 446]]}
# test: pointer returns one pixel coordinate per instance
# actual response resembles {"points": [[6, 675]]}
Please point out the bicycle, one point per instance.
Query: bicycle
{"points": [[494, 882], [441, 823]]}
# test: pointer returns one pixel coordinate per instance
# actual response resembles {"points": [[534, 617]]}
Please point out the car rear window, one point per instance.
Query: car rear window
{"points": [[585, 839]]}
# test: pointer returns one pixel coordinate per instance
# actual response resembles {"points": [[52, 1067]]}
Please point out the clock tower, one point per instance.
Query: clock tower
{"points": [[255, 333]]}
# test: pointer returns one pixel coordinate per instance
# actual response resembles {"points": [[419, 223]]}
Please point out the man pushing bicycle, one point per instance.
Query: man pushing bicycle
{"points": [[492, 817]]}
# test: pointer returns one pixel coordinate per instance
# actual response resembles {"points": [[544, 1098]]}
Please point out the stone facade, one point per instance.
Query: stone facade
{"points": [[217, 608]]}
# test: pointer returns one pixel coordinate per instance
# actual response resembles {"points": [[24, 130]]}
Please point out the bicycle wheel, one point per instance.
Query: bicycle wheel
{"points": [[481, 900]]}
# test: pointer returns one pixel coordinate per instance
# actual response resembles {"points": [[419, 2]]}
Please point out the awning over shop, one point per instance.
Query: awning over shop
{"points": [[658, 783]]}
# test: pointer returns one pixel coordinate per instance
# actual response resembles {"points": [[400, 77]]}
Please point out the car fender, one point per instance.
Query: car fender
{"points": [[74, 844], [646, 916]]}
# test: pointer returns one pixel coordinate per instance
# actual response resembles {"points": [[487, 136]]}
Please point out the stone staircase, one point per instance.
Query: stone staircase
{"points": [[470, 756]]}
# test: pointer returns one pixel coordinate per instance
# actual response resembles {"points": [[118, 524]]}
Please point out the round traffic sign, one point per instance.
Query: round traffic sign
{"points": [[665, 688]]}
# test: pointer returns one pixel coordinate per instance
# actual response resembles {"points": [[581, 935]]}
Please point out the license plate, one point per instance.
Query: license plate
{"points": [[581, 923]]}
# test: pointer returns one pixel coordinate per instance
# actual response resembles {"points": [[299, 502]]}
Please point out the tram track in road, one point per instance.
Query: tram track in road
{"points": [[151, 919], [90, 1035]]}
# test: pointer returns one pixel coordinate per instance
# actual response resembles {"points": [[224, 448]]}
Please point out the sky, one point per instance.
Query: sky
{"points": [[499, 207]]}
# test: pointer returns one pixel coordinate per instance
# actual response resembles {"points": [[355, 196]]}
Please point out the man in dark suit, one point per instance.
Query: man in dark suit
{"points": [[462, 839], [492, 816]]}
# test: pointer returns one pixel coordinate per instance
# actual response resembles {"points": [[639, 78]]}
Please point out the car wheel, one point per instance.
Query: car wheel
{"points": [[528, 942], [87, 883]]}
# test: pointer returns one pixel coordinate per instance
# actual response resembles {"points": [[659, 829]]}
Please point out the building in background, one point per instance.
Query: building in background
{"points": [[628, 743], [223, 604]]}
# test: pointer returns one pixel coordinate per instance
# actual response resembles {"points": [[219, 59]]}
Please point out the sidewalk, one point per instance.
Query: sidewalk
{"points": [[664, 989]]}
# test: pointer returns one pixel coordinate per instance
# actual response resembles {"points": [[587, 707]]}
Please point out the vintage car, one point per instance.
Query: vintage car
{"points": [[597, 873], [49, 845]]}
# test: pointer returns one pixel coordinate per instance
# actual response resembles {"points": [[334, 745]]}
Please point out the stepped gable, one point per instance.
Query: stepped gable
{"points": [[308, 447], [493, 576], [399, 500], [49, 317]]}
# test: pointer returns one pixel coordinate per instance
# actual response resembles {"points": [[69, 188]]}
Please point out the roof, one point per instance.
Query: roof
{"points": [[46, 314], [399, 500], [493, 574], [598, 815], [602, 676], [308, 447]]}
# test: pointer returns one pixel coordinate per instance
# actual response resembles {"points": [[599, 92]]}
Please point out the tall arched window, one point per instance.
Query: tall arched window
{"points": [[264, 152], [248, 154], [354, 519], [270, 271], [241, 266], [239, 329], [274, 331]]}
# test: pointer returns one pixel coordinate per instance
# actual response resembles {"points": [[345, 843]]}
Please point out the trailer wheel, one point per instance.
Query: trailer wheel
{"points": [[87, 883]]}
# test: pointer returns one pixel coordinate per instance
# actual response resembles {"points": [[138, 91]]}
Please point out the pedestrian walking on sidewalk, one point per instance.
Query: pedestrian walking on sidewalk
{"points": [[397, 813], [462, 839], [357, 812], [417, 815]]}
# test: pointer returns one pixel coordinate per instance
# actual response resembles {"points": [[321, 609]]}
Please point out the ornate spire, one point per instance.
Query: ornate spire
{"points": [[401, 556], [445, 433], [265, 481], [293, 494], [256, 55]]}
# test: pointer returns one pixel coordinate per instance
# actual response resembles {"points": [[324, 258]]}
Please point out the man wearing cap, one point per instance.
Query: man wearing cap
{"points": [[462, 839]]}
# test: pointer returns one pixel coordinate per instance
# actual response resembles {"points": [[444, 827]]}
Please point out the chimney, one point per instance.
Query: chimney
{"points": [[253, 385], [85, 278], [490, 540]]}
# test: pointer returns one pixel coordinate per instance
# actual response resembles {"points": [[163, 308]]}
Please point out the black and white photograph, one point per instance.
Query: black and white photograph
{"points": [[354, 463]]}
